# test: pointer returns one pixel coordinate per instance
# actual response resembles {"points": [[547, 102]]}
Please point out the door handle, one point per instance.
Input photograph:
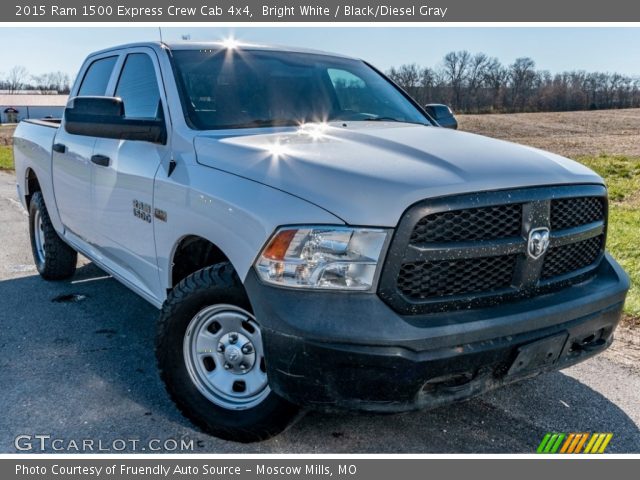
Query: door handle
{"points": [[59, 147], [101, 160]]}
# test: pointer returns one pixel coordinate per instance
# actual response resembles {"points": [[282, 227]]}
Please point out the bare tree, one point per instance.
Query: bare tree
{"points": [[429, 82], [16, 78], [456, 65], [523, 74], [475, 79], [496, 78], [51, 83]]}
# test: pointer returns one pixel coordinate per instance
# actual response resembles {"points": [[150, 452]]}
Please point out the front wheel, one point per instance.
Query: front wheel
{"points": [[211, 358]]}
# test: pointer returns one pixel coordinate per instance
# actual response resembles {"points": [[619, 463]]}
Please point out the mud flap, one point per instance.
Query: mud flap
{"points": [[538, 355]]}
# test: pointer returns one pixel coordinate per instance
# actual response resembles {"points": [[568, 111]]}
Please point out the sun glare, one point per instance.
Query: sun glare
{"points": [[316, 131], [230, 43], [277, 150]]}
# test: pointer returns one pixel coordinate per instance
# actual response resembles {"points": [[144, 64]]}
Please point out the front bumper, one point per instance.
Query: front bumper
{"points": [[350, 350]]}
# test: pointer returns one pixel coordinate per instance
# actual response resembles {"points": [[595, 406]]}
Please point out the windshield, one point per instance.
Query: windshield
{"points": [[250, 88]]}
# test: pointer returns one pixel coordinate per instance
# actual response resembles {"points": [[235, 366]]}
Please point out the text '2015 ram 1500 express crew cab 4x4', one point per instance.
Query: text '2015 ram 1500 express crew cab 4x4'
{"points": [[312, 237]]}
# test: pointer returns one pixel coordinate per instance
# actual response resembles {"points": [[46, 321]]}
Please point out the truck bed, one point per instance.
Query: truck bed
{"points": [[32, 148], [45, 122]]}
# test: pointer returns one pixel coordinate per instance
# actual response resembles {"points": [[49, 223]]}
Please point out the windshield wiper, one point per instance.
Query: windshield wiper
{"points": [[391, 119], [376, 119], [384, 119], [272, 123], [258, 124]]}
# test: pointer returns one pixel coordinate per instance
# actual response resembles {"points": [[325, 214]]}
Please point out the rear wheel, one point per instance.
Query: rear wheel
{"points": [[211, 358], [54, 259]]}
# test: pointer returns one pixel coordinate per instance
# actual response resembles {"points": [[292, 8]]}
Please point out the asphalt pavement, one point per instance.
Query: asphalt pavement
{"points": [[77, 364]]}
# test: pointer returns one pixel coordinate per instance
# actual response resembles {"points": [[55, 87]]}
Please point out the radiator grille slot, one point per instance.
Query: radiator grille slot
{"points": [[443, 278], [499, 221], [574, 256], [572, 212]]}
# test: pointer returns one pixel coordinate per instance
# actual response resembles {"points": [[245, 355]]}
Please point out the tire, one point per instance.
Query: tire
{"points": [[207, 309], [54, 259]]}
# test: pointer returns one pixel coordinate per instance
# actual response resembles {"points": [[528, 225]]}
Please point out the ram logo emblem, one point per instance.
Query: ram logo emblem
{"points": [[538, 242]]}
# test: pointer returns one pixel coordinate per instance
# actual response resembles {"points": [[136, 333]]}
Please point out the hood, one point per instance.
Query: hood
{"points": [[369, 173]]}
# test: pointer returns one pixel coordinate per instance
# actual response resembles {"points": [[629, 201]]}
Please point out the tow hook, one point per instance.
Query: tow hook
{"points": [[590, 343]]}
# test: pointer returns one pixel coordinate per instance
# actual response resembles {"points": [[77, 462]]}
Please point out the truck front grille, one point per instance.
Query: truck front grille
{"points": [[473, 250]]}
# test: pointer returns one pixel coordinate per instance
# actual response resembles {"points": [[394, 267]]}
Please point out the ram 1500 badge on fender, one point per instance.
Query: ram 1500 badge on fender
{"points": [[312, 237]]}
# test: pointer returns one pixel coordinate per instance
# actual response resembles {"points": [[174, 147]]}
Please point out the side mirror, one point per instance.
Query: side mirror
{"points": [[105, 117], [442, 114]]}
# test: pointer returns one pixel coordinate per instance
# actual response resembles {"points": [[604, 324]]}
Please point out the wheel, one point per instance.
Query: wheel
{"points": [[211, 359], [54, 259]]}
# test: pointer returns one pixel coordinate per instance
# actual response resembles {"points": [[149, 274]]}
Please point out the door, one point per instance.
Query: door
{"points": [[72, 153], [123, 173]]}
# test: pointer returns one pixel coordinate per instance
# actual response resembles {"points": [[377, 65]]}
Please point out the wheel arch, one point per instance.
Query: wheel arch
{"points": [[32, 185], [190, 253]]}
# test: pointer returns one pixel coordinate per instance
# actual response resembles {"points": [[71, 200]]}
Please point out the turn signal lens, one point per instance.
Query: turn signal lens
{"points": [[277, 248]]}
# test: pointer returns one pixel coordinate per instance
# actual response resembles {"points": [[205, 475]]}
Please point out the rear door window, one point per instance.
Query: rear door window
{"points": [[96, 78]]}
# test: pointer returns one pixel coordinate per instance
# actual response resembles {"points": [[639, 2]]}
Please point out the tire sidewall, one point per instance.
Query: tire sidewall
{"points": [[37, 206]]}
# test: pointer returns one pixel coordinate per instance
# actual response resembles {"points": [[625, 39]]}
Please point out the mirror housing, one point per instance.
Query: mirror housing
{"points": [[442, 114], [105, 117]]}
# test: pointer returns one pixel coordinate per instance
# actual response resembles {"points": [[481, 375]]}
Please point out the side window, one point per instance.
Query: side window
{"points": [[138, 87], [97, 77]]}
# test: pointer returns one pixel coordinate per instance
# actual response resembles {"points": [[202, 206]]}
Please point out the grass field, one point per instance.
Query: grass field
{"points": [[6, 158], [606, 141]]}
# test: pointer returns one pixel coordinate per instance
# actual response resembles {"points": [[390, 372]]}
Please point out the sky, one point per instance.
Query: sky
{"points": [[45, 49]]}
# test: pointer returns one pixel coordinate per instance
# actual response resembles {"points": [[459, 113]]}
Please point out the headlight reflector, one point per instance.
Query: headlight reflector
{"points": [[323, 257]]}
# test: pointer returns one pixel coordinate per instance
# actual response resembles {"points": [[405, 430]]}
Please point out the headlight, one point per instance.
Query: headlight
{"points": [[322, 257]]}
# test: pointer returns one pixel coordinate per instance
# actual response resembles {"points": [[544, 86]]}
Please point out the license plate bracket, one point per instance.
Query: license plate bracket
{"points": [[539, 354]]}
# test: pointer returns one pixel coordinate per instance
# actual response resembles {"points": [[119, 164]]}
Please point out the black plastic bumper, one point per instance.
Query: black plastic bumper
{"points": [[350, 350]]}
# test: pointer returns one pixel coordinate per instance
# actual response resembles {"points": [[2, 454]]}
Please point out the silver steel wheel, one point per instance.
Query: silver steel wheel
{"points": [[38, 233], [224, 357]]}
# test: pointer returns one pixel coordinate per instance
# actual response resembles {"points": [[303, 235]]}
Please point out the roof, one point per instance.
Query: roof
{"points": [[23, 100], [220, 45]]}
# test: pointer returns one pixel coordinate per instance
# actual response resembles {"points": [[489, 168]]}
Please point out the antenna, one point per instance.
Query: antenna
{"points": [[160, 30]]}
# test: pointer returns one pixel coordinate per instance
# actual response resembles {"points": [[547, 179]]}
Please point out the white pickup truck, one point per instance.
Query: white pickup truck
{"points": [[312, 237]]}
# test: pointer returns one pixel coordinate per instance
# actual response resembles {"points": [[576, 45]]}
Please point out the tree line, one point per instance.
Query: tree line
{"points": [[472, 83], [19, 79], [478, 83]]}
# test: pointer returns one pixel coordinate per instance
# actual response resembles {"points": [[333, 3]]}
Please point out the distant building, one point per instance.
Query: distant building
{"points": [[28, 92], [14, 108]]}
